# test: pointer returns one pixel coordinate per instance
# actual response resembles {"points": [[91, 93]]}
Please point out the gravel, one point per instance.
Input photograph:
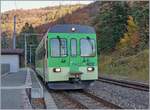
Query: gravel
{"points": [[127, 98], [38, 103], [88, 101], [63, 102]]}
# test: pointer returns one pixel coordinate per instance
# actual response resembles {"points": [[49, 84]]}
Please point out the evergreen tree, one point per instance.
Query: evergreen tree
{"points": [[31, 40], [4, 40], [110, 25]]}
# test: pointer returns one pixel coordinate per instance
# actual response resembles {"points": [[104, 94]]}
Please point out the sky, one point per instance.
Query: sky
{"points": [[16, 4]]}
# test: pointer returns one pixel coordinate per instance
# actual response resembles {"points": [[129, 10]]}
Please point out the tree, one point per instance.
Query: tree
{"points": [[4, 40], [130, 40], [110, 24], [140, 12], [31, 39]]}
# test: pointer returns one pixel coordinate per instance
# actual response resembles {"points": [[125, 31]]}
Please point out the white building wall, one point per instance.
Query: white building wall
{"points": [[13, 60]]}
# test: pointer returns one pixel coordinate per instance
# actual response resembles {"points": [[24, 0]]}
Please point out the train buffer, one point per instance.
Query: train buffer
{"points": [[20, 90]]}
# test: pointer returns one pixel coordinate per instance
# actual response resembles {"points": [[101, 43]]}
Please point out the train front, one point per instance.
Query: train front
{"points": [[72, 57]]}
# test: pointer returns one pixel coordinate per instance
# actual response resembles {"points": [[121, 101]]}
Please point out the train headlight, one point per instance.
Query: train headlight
{"points": [[90, 69], [57, 70]]}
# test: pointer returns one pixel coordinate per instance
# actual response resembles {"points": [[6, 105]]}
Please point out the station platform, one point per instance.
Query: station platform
{"points": [[13, 90], [20, 90]]}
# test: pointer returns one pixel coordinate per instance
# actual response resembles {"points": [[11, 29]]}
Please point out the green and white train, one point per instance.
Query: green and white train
{"points": [[66, 57]]}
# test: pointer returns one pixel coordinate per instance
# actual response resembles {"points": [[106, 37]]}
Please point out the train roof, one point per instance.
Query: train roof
{"points": [[71, 28]]}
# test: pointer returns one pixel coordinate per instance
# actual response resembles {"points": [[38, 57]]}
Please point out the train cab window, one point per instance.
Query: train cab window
{"points": [[73, 47], [58, 47], [87, 47]]}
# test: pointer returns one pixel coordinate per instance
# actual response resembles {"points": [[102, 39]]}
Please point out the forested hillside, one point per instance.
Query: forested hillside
{"points": [[35, 17], [122, 29], [123, 38], [43, 18], [113, 21]]}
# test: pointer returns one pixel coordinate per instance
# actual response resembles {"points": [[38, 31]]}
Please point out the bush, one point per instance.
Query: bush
{"points": [[135, 67]]}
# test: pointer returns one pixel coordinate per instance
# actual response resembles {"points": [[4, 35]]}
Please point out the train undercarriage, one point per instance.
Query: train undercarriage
{"points": [[70, 85]]}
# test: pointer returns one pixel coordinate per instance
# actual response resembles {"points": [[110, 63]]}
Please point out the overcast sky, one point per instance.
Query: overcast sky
{"points": [[9, 5]]}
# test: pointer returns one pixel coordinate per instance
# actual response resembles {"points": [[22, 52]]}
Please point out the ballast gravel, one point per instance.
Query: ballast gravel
{"points": [[63, 102], [127, 98], [88, 101]]}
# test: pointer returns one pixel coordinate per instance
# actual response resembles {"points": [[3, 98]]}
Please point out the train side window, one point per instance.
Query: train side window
{"points": [[73, 47], [55, 51]]}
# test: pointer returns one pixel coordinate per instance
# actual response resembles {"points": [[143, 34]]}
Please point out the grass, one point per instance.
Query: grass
{"points": [[135, 67]]}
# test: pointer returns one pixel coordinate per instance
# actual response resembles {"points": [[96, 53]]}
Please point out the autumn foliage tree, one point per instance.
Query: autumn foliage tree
{"points": [[140, 13], [130, 39]]}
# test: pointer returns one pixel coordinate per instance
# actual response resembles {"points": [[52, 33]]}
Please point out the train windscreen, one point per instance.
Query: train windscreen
{"points": [[87, 47], [58, 47]]}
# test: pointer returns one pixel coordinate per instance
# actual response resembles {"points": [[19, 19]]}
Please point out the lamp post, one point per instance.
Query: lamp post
{"points": [[14, 33]]}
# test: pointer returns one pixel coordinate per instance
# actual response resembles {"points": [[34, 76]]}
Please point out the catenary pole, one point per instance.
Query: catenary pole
{"points": [[25, 49], [31, 52], [14, 33]]}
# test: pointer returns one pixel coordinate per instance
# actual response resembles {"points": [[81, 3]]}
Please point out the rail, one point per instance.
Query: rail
{"points": [[124, 83], [103, 102]]}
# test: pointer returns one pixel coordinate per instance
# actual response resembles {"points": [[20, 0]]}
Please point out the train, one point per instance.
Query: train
{"points": [[66, 57]]}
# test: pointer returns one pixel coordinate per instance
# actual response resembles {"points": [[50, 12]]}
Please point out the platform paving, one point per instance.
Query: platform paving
{"points": [[13, 91], [20, 89], [14, 99], [14, 79]]}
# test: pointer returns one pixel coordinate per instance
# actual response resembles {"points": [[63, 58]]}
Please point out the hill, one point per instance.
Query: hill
{"points": [[82, 15], [43, 18], [109, 19], [35, 17]]}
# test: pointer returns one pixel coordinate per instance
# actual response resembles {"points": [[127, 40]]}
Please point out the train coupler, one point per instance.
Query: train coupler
{"points": [[75, 77]]}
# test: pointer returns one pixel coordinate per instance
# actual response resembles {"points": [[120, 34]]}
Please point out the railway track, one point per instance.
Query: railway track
{"points": [[64, 101], [123, 83], [80, 99], [89, 101]]}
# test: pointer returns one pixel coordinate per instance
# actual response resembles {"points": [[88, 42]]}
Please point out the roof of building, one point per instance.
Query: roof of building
{"points": [[71, 28], [12, 51]]}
